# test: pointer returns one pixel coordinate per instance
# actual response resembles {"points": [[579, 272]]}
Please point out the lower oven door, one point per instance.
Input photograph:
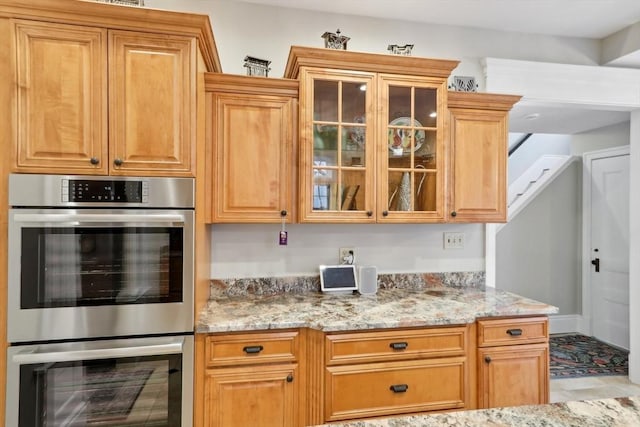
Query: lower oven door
{"points": [[128, 382]]}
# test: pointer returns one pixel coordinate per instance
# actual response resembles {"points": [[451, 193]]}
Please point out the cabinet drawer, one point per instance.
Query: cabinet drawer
{"points": [[361, 347], [378, 389], [512, 331], [244, 349]]}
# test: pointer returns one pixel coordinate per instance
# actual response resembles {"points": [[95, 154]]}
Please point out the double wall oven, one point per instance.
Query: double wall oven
{"points": [[100, 301]]}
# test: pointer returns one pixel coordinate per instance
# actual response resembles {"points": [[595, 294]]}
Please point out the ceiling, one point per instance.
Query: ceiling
{"points": [[572, 18], [595, 19]]}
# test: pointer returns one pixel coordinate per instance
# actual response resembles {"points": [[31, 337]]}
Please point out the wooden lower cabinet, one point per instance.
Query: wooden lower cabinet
{"points": [[513, 361], [300, 377], [257, 396], [513, 375], [397, 371], [376, 389], [251, 379]]}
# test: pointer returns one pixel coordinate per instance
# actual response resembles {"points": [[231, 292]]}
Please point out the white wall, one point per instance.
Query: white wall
{"points": [[266, 32], [538, 252], [253, 250], [607, 137]]}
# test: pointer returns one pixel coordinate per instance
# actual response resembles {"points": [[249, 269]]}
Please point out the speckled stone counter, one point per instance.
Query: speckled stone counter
{"points": [[618, 412], [401, 301]]}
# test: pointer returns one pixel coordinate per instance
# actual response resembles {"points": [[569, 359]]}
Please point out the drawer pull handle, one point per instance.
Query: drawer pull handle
{"points": [[399, 345], [253, 349], [399, 388], [514, 332]]}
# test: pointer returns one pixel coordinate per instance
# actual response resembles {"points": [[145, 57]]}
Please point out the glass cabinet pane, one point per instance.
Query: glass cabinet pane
{"points": [[353, 190], [353, 102], [399, 102], [325, 145], [426, 106], [325, 101]]}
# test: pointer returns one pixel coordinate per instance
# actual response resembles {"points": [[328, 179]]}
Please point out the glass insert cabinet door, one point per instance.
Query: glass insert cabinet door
{"points": [[411, 177], [338, 146]]}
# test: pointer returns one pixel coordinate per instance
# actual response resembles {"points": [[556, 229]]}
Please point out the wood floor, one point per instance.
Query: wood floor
{"points": [[586, 388]]}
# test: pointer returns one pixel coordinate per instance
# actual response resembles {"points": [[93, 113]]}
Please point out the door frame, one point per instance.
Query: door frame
{"points": [[585, 325]]}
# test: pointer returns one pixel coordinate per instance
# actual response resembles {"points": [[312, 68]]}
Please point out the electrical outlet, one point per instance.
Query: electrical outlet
{"points": [[347, 256], [453, 240]]}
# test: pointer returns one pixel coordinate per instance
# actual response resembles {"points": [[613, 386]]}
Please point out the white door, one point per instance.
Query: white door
{"points": [[609, 272]]}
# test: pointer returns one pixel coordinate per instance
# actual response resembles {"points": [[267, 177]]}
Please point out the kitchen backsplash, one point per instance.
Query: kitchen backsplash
{"points": [[303, 284]]}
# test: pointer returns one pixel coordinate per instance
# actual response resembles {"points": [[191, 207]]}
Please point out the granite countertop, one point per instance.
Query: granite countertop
{"points": [[619, 412], [433, 305]]}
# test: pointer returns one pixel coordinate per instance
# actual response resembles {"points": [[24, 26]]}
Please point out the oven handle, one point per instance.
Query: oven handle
{"points": [[79, 219], [98, 353]]}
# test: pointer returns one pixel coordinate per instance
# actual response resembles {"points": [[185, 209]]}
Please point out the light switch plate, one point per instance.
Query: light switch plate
{"points": [[453, 240]]}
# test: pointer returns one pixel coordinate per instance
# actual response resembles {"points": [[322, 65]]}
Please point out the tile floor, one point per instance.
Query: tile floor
{"points": [[592, 388]]}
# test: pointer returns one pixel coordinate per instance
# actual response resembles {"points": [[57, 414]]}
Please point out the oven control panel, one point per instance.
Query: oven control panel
{"points": [[100, 191]]}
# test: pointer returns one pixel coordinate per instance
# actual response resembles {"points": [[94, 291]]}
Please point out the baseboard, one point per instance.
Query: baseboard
{"points": [[565, 323]]}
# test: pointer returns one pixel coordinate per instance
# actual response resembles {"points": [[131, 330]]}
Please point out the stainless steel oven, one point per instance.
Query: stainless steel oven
{"points": [[100, 301], [130, 382], [99, 257]]}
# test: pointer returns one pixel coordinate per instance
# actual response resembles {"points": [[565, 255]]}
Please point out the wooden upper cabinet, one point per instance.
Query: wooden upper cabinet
{"points": [[152, 93], [372, 132], [478, 156], [106, 89], [61, 98], [252, 124]]}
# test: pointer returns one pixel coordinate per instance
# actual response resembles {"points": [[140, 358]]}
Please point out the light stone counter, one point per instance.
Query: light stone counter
{"points": [[426, 304], [617, 412]]}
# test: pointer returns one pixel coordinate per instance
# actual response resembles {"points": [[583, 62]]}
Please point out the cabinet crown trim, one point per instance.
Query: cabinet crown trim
{"points": [[230, 83], [483, 101], [361, 61]]}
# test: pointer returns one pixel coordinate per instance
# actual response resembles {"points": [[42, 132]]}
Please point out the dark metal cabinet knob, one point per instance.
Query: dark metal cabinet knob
{"points": [[94, 160], [283, 213], [454, 214], [118, 162], [487, 359], [289, 378], [385, 213], [369, 213]]}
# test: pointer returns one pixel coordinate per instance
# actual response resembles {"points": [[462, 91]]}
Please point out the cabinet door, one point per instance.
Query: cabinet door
{"points": [[152, 110], [478, 156], [513, 375], [337, 147], [252, 155], [61, 98], [259, 396], [479, 166], [411, 177]]}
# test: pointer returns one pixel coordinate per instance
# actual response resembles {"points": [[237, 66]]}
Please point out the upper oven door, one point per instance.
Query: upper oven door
{"points": [[80, 273]]}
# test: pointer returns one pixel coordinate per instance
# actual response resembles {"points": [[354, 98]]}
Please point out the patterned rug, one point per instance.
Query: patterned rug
{"points": [[575, 355]]}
